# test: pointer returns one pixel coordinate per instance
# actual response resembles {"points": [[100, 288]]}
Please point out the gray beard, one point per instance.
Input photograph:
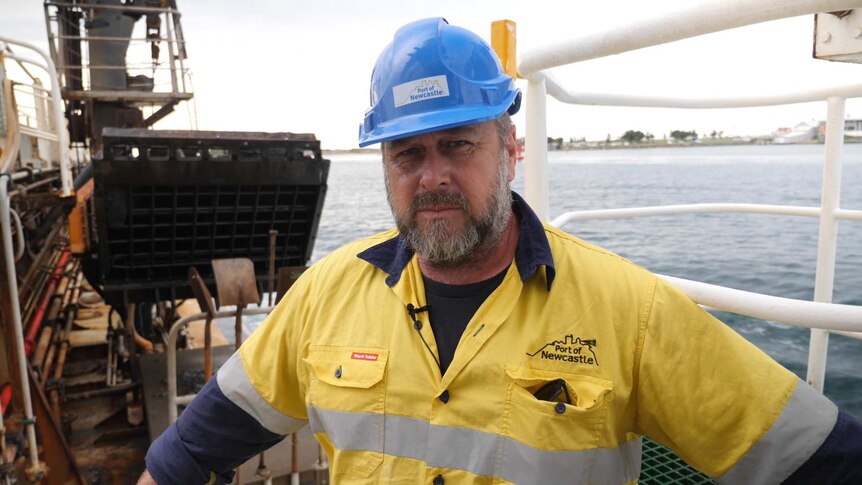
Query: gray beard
{"points": [[437, 243]]}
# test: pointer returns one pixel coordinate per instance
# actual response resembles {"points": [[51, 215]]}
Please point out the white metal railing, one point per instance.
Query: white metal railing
{"points": [[173, 334], [702, 18], [87, 74], [51, 122]]}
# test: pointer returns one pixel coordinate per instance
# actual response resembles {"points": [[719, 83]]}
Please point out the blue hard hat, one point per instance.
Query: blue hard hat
{"points": [[434, 76]]}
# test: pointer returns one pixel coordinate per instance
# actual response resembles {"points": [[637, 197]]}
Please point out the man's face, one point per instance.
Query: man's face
{"points": [[449, 190]]}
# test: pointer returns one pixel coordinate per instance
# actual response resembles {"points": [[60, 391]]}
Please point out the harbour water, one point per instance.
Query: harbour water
{"points": [[768, 254]]}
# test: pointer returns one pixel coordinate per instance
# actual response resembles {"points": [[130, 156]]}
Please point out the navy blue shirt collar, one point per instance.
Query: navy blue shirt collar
{"points": [[533, 250]]}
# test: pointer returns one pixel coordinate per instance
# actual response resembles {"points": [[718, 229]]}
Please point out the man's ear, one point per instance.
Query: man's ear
{"points": [[512, 150]]}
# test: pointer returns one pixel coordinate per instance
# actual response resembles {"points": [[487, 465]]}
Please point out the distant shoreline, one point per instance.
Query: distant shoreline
{"points": [[617, 145], [349, 151]]}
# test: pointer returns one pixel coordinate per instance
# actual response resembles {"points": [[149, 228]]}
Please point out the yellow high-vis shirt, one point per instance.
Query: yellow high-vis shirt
{"points": [[631, 354]]}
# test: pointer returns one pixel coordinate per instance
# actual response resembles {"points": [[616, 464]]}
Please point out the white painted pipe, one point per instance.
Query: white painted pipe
{"points": [[670, 26], [536, 149], [828, 239], [17, 325]]}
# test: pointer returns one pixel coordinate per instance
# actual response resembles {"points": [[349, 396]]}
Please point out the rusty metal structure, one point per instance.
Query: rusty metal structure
{"points": [[102, 219]]}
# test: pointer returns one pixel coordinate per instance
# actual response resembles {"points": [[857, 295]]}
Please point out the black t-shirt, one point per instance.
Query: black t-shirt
{"points": [[451, 308]]}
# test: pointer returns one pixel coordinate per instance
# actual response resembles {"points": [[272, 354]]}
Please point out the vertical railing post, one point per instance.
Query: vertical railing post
{"points": [[828, 239], [18, 326], [536, 148], [172, 60]]}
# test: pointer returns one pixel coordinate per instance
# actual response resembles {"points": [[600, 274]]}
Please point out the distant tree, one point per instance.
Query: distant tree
{"points": [[713, 134], [555, 143], [683, 135], [649, 136], [632, 136], [608, 140]]}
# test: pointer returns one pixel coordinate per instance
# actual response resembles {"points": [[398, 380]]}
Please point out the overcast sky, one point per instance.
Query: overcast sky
{"points": [[304, 66]]}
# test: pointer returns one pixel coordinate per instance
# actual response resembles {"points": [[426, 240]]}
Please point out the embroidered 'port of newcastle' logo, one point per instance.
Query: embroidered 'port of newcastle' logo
{"points": [[570, 349]]}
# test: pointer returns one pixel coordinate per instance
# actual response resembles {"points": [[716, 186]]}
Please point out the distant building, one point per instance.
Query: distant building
{"points": [[853, 128], [801, 133]]}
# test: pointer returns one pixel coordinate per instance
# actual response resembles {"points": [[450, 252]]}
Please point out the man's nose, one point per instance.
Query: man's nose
{"points": [[436, 171]]}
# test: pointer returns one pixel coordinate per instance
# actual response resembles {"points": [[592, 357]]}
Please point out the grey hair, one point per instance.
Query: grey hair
{"points": [[504, 126]]}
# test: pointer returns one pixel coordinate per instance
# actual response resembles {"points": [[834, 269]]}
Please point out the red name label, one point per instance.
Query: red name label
{"points": [[364, 356]]}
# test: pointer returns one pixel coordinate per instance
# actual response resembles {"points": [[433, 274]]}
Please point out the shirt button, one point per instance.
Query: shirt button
{"points": [[560, 408], [438, 480], [338, 372], [417, 325], [445, 398]]}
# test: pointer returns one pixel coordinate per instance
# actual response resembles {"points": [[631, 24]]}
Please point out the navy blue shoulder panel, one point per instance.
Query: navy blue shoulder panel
{"points": [[212, 434], [533, 250], [839, 458], [392, 256]]}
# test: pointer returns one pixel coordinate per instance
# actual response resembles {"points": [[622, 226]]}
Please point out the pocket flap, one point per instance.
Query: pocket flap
{"points": [[357, 367], [586, 391]]}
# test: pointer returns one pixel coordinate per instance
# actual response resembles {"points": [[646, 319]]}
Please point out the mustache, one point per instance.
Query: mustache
{"points": [[432, 199]]}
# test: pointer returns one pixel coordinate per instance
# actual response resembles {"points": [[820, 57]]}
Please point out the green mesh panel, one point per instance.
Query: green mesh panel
{"points": [[660, 466]]}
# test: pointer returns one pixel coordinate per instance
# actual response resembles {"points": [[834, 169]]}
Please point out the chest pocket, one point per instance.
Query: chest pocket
{"points": [[345, 400], [557, 425]]}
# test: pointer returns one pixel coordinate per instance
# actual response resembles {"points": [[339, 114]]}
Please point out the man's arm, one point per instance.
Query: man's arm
{"points": [[255, 399], [146, 479], [731, 411], [210, 439], [839, 458]]}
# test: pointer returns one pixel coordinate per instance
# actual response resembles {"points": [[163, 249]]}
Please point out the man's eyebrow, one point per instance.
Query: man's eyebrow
{"points": [[458, 130]]}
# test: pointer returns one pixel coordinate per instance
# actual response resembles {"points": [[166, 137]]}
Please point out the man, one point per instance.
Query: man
{"points": [[476, 345]]}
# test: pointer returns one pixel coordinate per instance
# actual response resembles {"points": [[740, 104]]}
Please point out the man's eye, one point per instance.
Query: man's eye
{"points": [[406, 155], [459, 143], [410, 152]]}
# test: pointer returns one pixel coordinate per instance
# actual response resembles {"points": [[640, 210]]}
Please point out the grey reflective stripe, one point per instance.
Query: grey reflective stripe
{"points": [[348, 431], [236, 386], [476, 451], [803, 425], [599, 466], [617, 465], [464, 449]]}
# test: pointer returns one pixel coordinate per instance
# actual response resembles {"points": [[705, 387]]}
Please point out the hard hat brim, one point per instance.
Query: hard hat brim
{"points": [[429, 122]]}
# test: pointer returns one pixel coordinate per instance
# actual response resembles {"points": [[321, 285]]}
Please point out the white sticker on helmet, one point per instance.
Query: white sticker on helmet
{"points": [[420, 90]]}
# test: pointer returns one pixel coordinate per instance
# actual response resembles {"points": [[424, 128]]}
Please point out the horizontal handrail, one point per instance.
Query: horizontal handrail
{"points": [[843, 319], [660, 210], [173, 399], [36, 133], [799, 313], [670, 26], [564, 95], [121, 8]]}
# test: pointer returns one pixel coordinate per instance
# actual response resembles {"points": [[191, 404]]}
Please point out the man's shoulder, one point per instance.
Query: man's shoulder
{"points": [[568, 249], [560, 240], [347, 255]]}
